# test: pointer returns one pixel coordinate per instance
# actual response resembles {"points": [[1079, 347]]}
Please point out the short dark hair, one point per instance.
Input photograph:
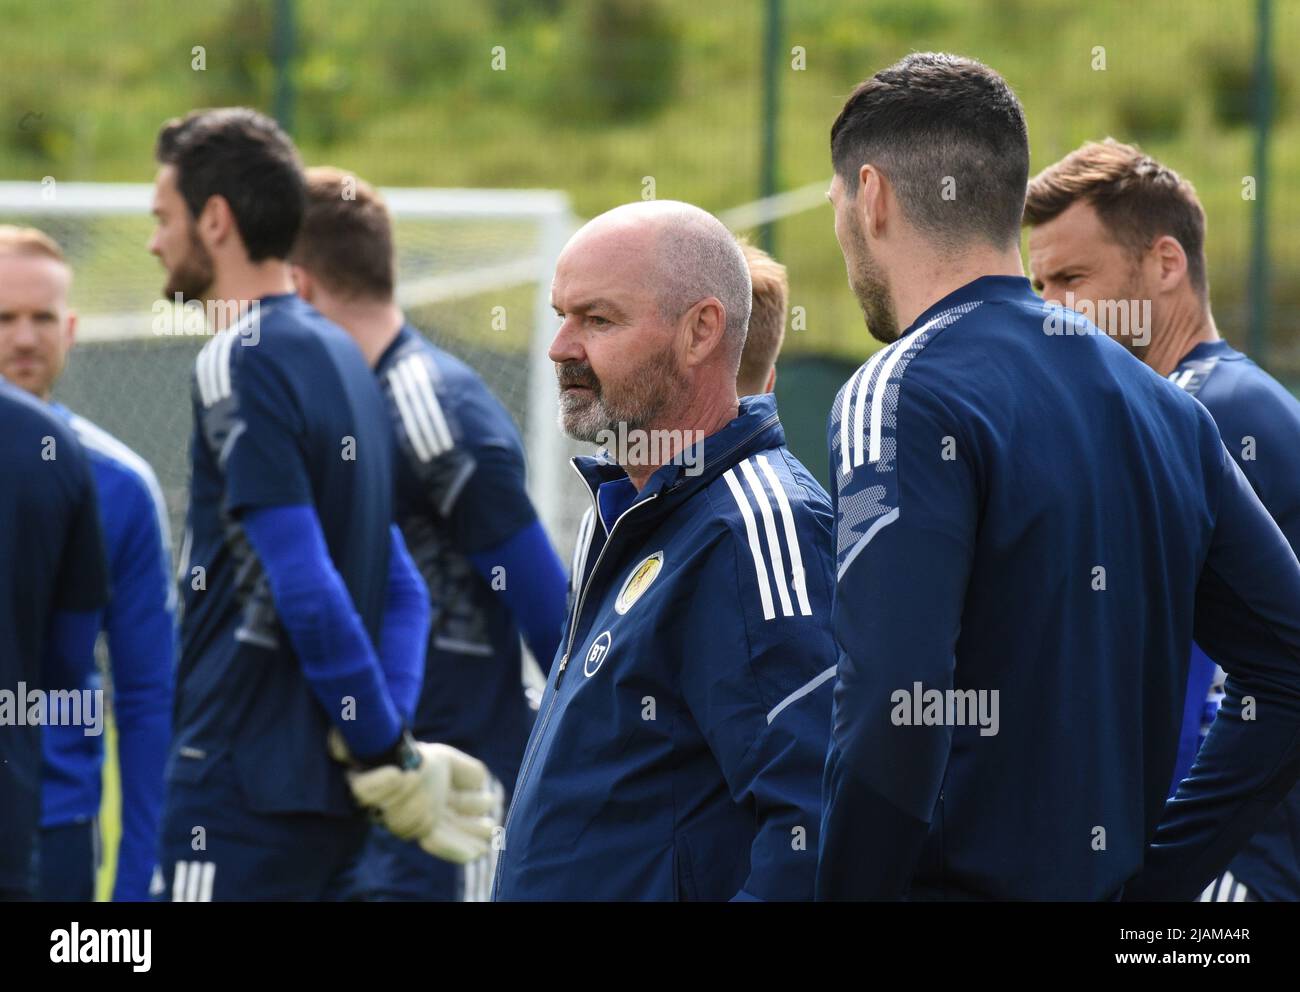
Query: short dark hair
{"points": [[1136, 198], [934, 122], [346, 239], [245, 157]]}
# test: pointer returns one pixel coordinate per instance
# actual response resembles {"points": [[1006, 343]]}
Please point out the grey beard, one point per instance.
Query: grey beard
{"points": [[652, 389], [587, 420]]}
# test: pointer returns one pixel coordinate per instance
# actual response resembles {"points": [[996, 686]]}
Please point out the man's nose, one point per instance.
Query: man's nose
{"points": [[566, 347], [23, 335]]}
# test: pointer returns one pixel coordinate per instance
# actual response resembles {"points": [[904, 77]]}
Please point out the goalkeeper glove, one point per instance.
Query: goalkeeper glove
{"points": [[430, 793]]}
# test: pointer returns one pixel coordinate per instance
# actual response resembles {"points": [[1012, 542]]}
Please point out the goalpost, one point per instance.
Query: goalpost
{"points": [[474, 273]]}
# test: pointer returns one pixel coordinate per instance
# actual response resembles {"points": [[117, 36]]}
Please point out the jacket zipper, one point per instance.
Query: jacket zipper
{"points": [[531, 754], [564, 661], [582, 598]]}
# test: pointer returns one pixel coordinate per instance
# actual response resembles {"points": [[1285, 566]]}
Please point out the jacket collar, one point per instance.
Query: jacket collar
{"points": [[756, 427], [1209, 349], [986, 289]]}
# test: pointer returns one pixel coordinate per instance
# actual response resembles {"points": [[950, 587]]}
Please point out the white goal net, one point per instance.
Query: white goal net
{"points": [[474, 274]]}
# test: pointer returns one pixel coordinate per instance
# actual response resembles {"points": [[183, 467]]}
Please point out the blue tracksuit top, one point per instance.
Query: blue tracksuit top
{"points": [[1031, 527], [678, 749]]}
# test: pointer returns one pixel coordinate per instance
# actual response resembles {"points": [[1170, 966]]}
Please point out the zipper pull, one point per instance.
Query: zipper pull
{"points": [[564, 661]]}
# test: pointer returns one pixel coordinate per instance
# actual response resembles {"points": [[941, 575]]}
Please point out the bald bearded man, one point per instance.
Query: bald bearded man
{"points": [[678, 750]]}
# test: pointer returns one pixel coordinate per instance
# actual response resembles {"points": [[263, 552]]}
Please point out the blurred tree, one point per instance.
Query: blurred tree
{"points": [[1230, 73], [239, 70], [1150, 112], [621, 62], [511, 10]]}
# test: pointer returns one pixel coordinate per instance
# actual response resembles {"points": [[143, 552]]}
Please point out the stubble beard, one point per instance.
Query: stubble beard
{"points": [[871, 287]]}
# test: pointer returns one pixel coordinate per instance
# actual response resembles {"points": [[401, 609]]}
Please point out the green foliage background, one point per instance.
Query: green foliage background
{"points": [[597, 94]]}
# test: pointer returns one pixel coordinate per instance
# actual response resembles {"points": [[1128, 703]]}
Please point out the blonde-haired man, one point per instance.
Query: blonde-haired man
{"points": [[37, 330], [771, 294]]}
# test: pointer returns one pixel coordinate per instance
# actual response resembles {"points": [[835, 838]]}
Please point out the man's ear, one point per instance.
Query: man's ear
{"points": [[873, 200], [303, 283], [1169, 261], [771, 381], [706, 324], [70, 331], [216, 222]]}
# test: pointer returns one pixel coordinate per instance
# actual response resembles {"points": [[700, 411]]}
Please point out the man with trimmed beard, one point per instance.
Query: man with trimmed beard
{"points": [[304, 616], [1035, 518], [683, 727]]}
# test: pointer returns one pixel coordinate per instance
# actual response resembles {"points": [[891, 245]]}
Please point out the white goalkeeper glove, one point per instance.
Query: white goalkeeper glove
{"points": [[437, 796]]}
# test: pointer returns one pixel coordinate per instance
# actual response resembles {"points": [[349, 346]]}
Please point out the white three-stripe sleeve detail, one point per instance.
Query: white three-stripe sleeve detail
{"points": [[414, 430], [418, 407], [420, 373], [769, 527], [1225, 888], [859, 409], [212, 369], [798, 577], [178, 882], [410, 426], [223, 365], [210, 372], [192, 878], [201, 374], [882, 384], [423, 386], [205, 884], [755, 549], [878, 398], [846, 410]]}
